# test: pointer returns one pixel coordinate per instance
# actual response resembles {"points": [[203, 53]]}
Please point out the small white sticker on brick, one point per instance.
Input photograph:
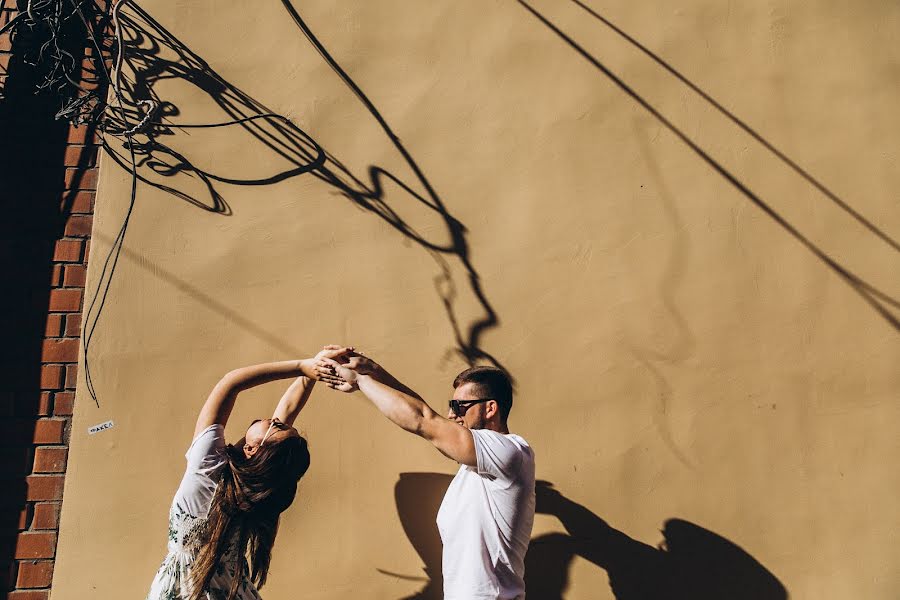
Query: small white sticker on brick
{"points": [[100, 427]]}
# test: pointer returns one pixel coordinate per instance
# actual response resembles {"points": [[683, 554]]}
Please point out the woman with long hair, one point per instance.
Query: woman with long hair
{"points": [[224, 516]]}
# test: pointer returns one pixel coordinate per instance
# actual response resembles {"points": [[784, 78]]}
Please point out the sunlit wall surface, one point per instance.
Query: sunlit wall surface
{"points": [[676, 224]]}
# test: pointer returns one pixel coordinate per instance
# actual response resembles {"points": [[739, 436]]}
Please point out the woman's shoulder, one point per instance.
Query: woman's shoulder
{"points": [[210, 441], [206, 457]]}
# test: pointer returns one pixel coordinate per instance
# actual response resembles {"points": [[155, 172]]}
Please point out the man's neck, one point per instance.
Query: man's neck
{"points": [[498, 427]]}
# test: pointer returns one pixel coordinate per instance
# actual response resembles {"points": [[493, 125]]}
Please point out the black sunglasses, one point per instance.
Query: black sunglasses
{"points": [[459, 407]]}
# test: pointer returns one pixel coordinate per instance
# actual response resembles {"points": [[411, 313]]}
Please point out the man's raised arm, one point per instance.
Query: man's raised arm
{"points": [[400, 404]]}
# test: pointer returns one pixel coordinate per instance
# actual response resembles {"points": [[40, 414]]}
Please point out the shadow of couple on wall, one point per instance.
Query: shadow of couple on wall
{"points": [[692, 563]]}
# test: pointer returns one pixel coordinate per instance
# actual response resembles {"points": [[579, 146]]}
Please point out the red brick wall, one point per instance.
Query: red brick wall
{"points": [[35, 550], [32, 570], [35, 420]]}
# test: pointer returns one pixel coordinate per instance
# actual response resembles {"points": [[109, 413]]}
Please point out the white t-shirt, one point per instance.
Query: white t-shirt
{"points": [[485, 520], [205, 459]]}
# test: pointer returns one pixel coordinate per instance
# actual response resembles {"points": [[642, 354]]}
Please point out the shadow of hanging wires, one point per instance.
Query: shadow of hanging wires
{"points": [[881, 302], [151, 55]]}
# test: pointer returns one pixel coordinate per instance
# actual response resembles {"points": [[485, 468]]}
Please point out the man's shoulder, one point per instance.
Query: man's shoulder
{"points": [[514, 443], [497, 436], [518, 440]]}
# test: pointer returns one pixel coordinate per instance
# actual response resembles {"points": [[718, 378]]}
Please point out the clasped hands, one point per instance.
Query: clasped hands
{"points": [[340, 367]]}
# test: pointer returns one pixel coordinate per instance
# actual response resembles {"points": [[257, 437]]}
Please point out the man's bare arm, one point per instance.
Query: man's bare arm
{"points": [[401, 405]]}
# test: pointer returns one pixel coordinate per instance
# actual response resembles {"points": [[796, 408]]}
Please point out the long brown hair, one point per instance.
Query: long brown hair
{"points": [[245, 508]]}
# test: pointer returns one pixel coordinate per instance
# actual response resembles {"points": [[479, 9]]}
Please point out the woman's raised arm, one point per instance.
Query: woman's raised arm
{"points": [[220, 401]]}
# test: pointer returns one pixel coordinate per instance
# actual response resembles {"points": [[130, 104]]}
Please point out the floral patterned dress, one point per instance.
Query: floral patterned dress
{"points": [[187, 526]]}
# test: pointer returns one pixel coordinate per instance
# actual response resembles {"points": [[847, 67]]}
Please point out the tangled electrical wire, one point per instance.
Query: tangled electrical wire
{"points": [[48, 36]]}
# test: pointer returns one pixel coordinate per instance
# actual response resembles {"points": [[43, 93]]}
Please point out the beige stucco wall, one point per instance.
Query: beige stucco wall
{"points": [[678, 352]]}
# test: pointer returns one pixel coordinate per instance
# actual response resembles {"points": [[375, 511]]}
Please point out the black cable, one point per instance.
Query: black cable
{"points": [[112, 256], [12, 22], [223, 124]]}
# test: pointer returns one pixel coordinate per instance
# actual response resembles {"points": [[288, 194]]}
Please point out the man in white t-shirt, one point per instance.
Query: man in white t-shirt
{"points": [[486, 517]]}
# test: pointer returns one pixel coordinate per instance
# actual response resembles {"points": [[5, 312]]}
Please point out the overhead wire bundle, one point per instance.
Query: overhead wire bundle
{"points": [[48, 36]]}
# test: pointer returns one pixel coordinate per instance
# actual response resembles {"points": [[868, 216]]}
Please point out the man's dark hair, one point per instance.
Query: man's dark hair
{"points": [[489, 382]]}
